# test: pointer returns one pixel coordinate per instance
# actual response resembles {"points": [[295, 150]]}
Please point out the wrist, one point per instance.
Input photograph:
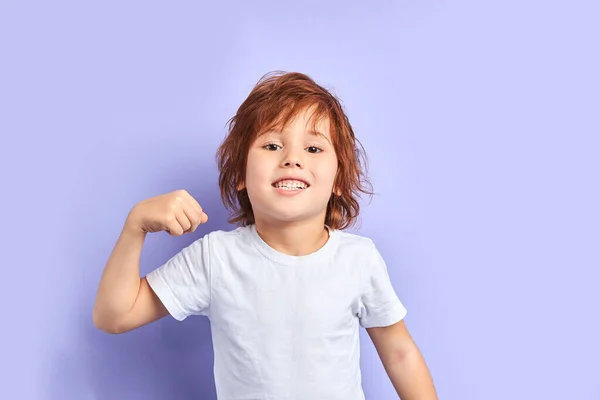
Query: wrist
{"points": [[133, 226]]}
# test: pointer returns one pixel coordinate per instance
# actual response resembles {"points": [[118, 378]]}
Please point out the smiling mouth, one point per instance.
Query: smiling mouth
{"points": [[290, 184]]}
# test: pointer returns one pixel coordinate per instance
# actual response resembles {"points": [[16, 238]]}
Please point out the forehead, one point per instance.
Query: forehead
{"points": [[310, 120]]}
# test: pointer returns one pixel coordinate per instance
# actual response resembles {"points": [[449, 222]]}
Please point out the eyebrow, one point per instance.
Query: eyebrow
{"points": [[315, 133]]}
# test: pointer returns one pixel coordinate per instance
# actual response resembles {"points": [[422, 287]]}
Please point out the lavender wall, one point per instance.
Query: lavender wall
{"points": [[482, 124]]}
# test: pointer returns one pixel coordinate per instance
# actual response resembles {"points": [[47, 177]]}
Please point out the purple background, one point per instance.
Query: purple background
{"points": [[481, 120]]}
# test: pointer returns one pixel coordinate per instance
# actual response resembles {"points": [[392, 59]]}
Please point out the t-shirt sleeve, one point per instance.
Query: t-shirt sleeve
{"points": [[183, 283], [379, 304]]}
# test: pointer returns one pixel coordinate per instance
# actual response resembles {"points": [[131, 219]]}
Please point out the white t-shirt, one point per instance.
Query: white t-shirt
{"points": [[283, 327]]}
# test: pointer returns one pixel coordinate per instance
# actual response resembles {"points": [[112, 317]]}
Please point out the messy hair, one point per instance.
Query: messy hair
{"points": [[273, 102]]}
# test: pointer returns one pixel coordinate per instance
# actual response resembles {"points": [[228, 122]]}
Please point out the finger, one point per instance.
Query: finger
{"points": [[195, 205], [192, 216], [204, 218], [182, 218], [173, 227]]}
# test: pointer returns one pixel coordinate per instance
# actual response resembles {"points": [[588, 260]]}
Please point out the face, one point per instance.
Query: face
{"points": [[290, 173]]}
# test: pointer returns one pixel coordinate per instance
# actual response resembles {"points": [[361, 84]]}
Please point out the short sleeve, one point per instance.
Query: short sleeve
{"points": [[183, 283], [379, 304]]}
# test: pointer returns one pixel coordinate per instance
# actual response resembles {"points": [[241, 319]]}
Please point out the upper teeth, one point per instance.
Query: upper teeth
{"points": [[290, 184]]}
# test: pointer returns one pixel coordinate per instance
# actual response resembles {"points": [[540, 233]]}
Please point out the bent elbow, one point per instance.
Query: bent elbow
{"points": [[104, 325]]}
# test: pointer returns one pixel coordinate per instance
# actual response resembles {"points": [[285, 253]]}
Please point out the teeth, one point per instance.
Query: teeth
{"points": [[290, 185]]}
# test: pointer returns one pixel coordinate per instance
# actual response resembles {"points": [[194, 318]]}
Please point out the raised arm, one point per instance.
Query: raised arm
{"points": [[124, 300]]}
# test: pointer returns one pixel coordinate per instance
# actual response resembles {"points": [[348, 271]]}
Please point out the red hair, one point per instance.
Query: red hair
{"points": [[275, 100]]}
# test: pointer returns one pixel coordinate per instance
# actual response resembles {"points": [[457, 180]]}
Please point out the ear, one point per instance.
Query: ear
{"points": [[336, 189]]}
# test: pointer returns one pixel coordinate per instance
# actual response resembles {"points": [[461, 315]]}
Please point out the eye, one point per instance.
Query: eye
{"points": [[313, 149], [272, 147]]}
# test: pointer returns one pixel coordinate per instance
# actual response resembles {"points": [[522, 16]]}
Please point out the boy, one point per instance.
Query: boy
{"points": [[288, 289]]}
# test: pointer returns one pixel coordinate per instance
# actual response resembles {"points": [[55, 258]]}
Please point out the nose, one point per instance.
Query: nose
{"points": [[291, 160], [290, 163]]}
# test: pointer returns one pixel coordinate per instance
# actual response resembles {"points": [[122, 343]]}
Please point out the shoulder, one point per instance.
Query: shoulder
{"points": [[356, 249], [233, 240], [221, 235], [353, 242]]}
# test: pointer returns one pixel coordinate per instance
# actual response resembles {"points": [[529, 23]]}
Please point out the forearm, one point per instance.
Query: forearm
{"points": [[410, 377], [120, 281]]}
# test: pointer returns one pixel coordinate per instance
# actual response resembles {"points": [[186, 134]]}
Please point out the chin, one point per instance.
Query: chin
{"points": [[287, 216], [287, 210]]}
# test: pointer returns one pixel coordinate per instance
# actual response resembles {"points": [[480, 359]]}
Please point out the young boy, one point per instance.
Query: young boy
{"points": [[288, 289]]}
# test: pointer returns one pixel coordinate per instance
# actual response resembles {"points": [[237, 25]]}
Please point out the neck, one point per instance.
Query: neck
{"points": [[293, 238]]}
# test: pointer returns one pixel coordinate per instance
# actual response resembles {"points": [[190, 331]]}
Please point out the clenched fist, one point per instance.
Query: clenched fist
{"points": [[176, 213]]}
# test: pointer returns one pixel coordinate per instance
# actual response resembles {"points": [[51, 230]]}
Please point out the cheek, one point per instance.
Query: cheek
{"points": [[250, 166], [256, 169], [327, 171]]}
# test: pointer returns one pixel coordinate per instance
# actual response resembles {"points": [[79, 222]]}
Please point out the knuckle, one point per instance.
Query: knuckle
{"points": [[174, 205]]}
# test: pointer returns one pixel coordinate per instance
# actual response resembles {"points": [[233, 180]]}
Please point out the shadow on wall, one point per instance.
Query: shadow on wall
{"points": [[163, 360]]}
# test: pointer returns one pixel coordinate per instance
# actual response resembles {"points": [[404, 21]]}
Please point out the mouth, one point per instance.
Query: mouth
{"points": [[290, 184]]}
